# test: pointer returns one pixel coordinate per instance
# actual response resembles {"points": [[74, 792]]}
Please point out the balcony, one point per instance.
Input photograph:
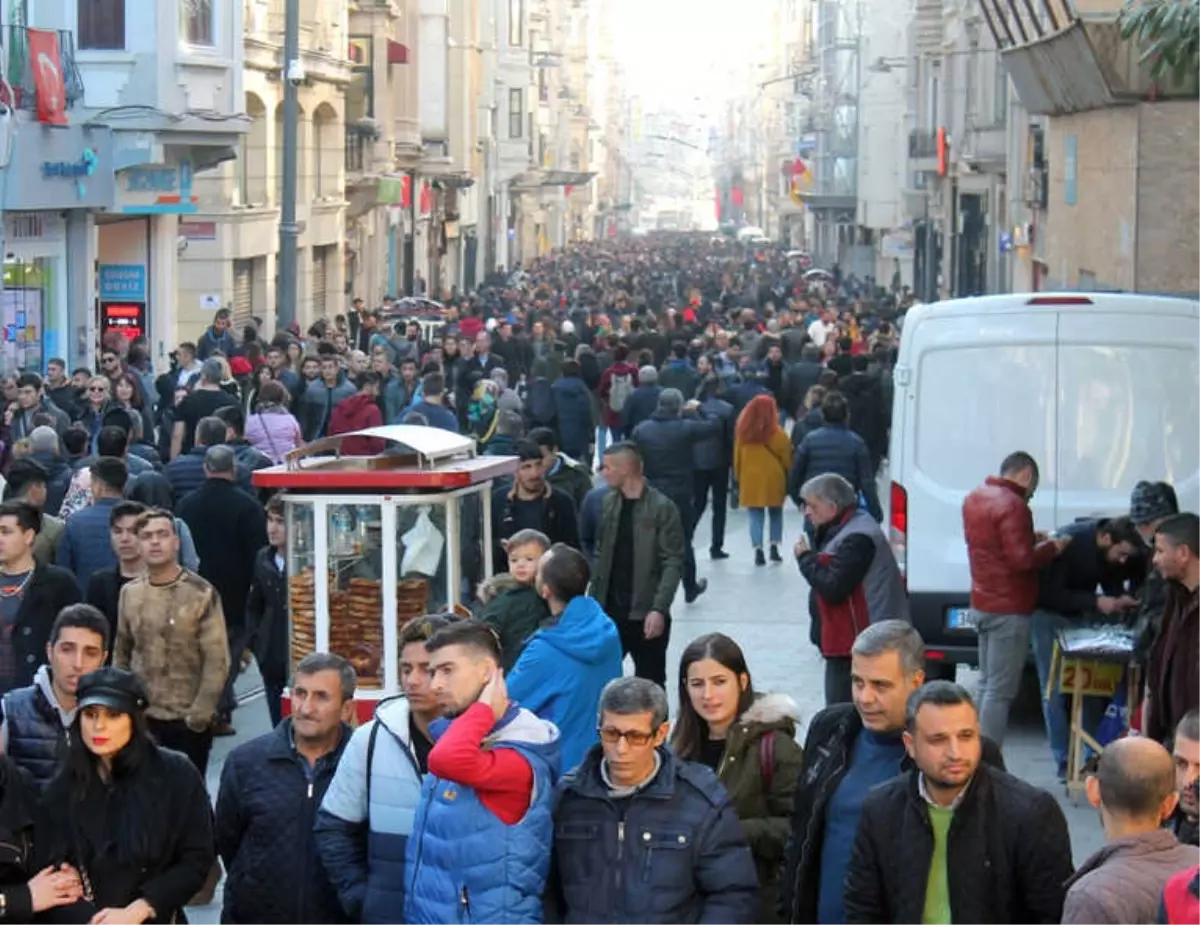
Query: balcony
{"points": [[922, 150], [19, 72]]}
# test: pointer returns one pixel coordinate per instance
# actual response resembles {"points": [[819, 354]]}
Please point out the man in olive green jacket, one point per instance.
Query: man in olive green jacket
{"points": [[639, 561]]}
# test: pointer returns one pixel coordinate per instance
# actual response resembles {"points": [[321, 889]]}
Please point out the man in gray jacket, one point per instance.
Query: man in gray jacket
{"points": [[1134, 789], [323, 395]]}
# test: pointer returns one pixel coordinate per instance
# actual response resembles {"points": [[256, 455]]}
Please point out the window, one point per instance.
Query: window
{"points": [[196, 21], [516, 115], [516, 23], [543, 84], [101, 24]]}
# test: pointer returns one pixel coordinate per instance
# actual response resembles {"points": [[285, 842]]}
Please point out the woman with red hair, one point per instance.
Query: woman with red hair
{"points": [[762, 458]]}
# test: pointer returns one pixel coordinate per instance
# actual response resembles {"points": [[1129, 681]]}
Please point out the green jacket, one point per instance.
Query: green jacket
{"points": [[658, 551], [572, 477], [516, 612], [765, 816]]}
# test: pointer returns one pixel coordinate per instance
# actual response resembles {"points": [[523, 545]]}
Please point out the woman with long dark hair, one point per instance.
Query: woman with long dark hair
{"points": [[762, 459], [749, 741], [132, 818]]}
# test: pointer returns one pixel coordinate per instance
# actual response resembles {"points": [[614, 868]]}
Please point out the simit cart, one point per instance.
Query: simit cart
{"points": [[373, 541]]}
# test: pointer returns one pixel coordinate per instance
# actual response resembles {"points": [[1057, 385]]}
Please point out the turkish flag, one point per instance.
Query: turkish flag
{"points": [[48, 76], [426, 201], [406, 191]]}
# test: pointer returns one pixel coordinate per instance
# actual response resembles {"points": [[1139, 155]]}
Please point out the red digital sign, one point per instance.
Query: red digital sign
{"points": [[126, 318]]}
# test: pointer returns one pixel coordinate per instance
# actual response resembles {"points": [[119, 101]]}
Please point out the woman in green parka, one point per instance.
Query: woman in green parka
{"points": [[749, 741]]}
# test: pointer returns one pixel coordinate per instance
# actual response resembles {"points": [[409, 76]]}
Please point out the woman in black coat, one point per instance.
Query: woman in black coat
{"points": [[132, 818], [22, 897]]}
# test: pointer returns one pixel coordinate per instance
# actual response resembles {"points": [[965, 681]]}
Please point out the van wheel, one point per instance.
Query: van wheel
{"points": [[941, 671]]}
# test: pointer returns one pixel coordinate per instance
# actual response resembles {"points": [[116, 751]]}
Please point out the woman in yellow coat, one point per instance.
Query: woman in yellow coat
{"points": [[762, 457]]}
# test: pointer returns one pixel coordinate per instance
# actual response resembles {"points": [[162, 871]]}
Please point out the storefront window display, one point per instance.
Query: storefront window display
{"points": [[26, 302]]}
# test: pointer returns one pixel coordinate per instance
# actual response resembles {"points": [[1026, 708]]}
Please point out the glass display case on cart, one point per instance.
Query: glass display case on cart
{"points": [[374, 541]]}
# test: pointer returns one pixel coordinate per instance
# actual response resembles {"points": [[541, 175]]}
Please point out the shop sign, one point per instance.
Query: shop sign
{"points": [[160, 189], [126, 318], [198, 231], [122, 282], [61, 168]]}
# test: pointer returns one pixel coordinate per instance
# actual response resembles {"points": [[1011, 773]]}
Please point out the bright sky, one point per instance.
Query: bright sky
{"points": [[676, 50]]}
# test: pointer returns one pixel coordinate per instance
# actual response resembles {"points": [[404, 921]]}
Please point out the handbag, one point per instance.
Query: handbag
{"points": [[275, 457]]}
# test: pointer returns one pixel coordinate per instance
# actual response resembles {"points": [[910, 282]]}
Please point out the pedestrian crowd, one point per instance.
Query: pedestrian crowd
{"points": [[520, 775]]}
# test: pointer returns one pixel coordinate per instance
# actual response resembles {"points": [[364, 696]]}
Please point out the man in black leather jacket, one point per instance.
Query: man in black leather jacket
{"points": [[845, 745], [666, 443]]}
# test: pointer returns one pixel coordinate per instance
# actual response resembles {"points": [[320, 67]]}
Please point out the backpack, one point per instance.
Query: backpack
{"points": [[620, 388], [539, 403]]}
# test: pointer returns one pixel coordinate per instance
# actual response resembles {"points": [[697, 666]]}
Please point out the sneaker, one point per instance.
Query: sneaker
{"points": [[759, 558], [701, 587], [775, 556], [717, 554]]}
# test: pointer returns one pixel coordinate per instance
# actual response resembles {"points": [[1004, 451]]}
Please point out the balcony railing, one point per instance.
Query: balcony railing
{"points": [[922, 143], [20, 68], [356, 150]]}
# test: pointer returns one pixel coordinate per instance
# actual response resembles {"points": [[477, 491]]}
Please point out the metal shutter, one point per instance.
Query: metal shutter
{"points": [[243, 294], [318, 281]]}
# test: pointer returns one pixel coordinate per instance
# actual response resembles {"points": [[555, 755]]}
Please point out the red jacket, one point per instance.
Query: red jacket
{"points": [[1181, 898], [357, 413], [1002, 549]]}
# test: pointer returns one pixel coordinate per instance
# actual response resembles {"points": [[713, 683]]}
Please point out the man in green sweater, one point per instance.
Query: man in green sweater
{"points": [[956, 840]]}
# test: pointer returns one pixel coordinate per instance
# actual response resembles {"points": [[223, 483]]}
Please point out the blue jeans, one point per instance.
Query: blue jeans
{"points": [[1044, 626], [757, 515]]}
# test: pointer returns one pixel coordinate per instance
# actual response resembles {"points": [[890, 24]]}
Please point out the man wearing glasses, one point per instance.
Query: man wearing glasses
{"points": [[673, 850]]}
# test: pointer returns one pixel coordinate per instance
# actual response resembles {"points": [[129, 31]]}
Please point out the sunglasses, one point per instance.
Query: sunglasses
{"points": [[635, 737], [97, 388]]}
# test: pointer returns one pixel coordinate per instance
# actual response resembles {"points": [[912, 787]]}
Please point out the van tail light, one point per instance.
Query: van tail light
{"points": [[1060, 300], [898, 535]]}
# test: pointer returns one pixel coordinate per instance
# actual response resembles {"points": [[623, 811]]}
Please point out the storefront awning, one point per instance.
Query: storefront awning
{"points": [[397, 52], [544, 178]]}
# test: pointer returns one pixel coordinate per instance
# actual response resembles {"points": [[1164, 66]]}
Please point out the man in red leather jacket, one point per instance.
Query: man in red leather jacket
{"points": [[1005, 555]]}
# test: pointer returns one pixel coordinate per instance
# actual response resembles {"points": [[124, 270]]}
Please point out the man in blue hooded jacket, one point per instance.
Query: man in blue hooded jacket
{"points": [[563, 668], [480, 844]]}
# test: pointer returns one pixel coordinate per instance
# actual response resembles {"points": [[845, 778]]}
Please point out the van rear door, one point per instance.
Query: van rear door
{"points": [[981, 386], [1129, 404]]}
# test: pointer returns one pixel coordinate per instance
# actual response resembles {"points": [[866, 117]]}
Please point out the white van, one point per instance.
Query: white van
{"points": [[1103, 389]]}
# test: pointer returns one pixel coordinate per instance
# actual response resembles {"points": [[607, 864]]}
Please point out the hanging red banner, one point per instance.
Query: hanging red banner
{"points": [[737, 196], [426, 201], [406, 191], [48, 76]]}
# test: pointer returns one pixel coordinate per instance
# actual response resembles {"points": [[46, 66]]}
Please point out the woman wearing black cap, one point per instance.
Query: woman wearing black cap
{"points": [[131, 817]]}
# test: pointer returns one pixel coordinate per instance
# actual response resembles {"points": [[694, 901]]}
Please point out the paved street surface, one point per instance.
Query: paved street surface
{"points": [[766, 611]]}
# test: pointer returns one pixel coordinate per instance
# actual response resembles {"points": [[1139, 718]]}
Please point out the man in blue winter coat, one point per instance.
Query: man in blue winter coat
{"points": [[573, 412], [641, 836], [563, 668], [480, 844]]}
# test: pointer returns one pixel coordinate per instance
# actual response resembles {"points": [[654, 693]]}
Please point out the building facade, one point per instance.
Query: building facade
{"points": [[155, 106]]}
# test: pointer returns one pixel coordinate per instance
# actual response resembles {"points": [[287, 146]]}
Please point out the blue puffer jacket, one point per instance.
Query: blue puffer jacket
{"points": [[562, 671], [86, 543], [465, 865], [185, 473], [672, 852], [573, 410], [362, 830], [835, 448]]}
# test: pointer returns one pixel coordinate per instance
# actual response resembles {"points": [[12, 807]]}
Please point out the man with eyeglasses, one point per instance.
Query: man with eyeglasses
{"points": [[673, 850]]}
